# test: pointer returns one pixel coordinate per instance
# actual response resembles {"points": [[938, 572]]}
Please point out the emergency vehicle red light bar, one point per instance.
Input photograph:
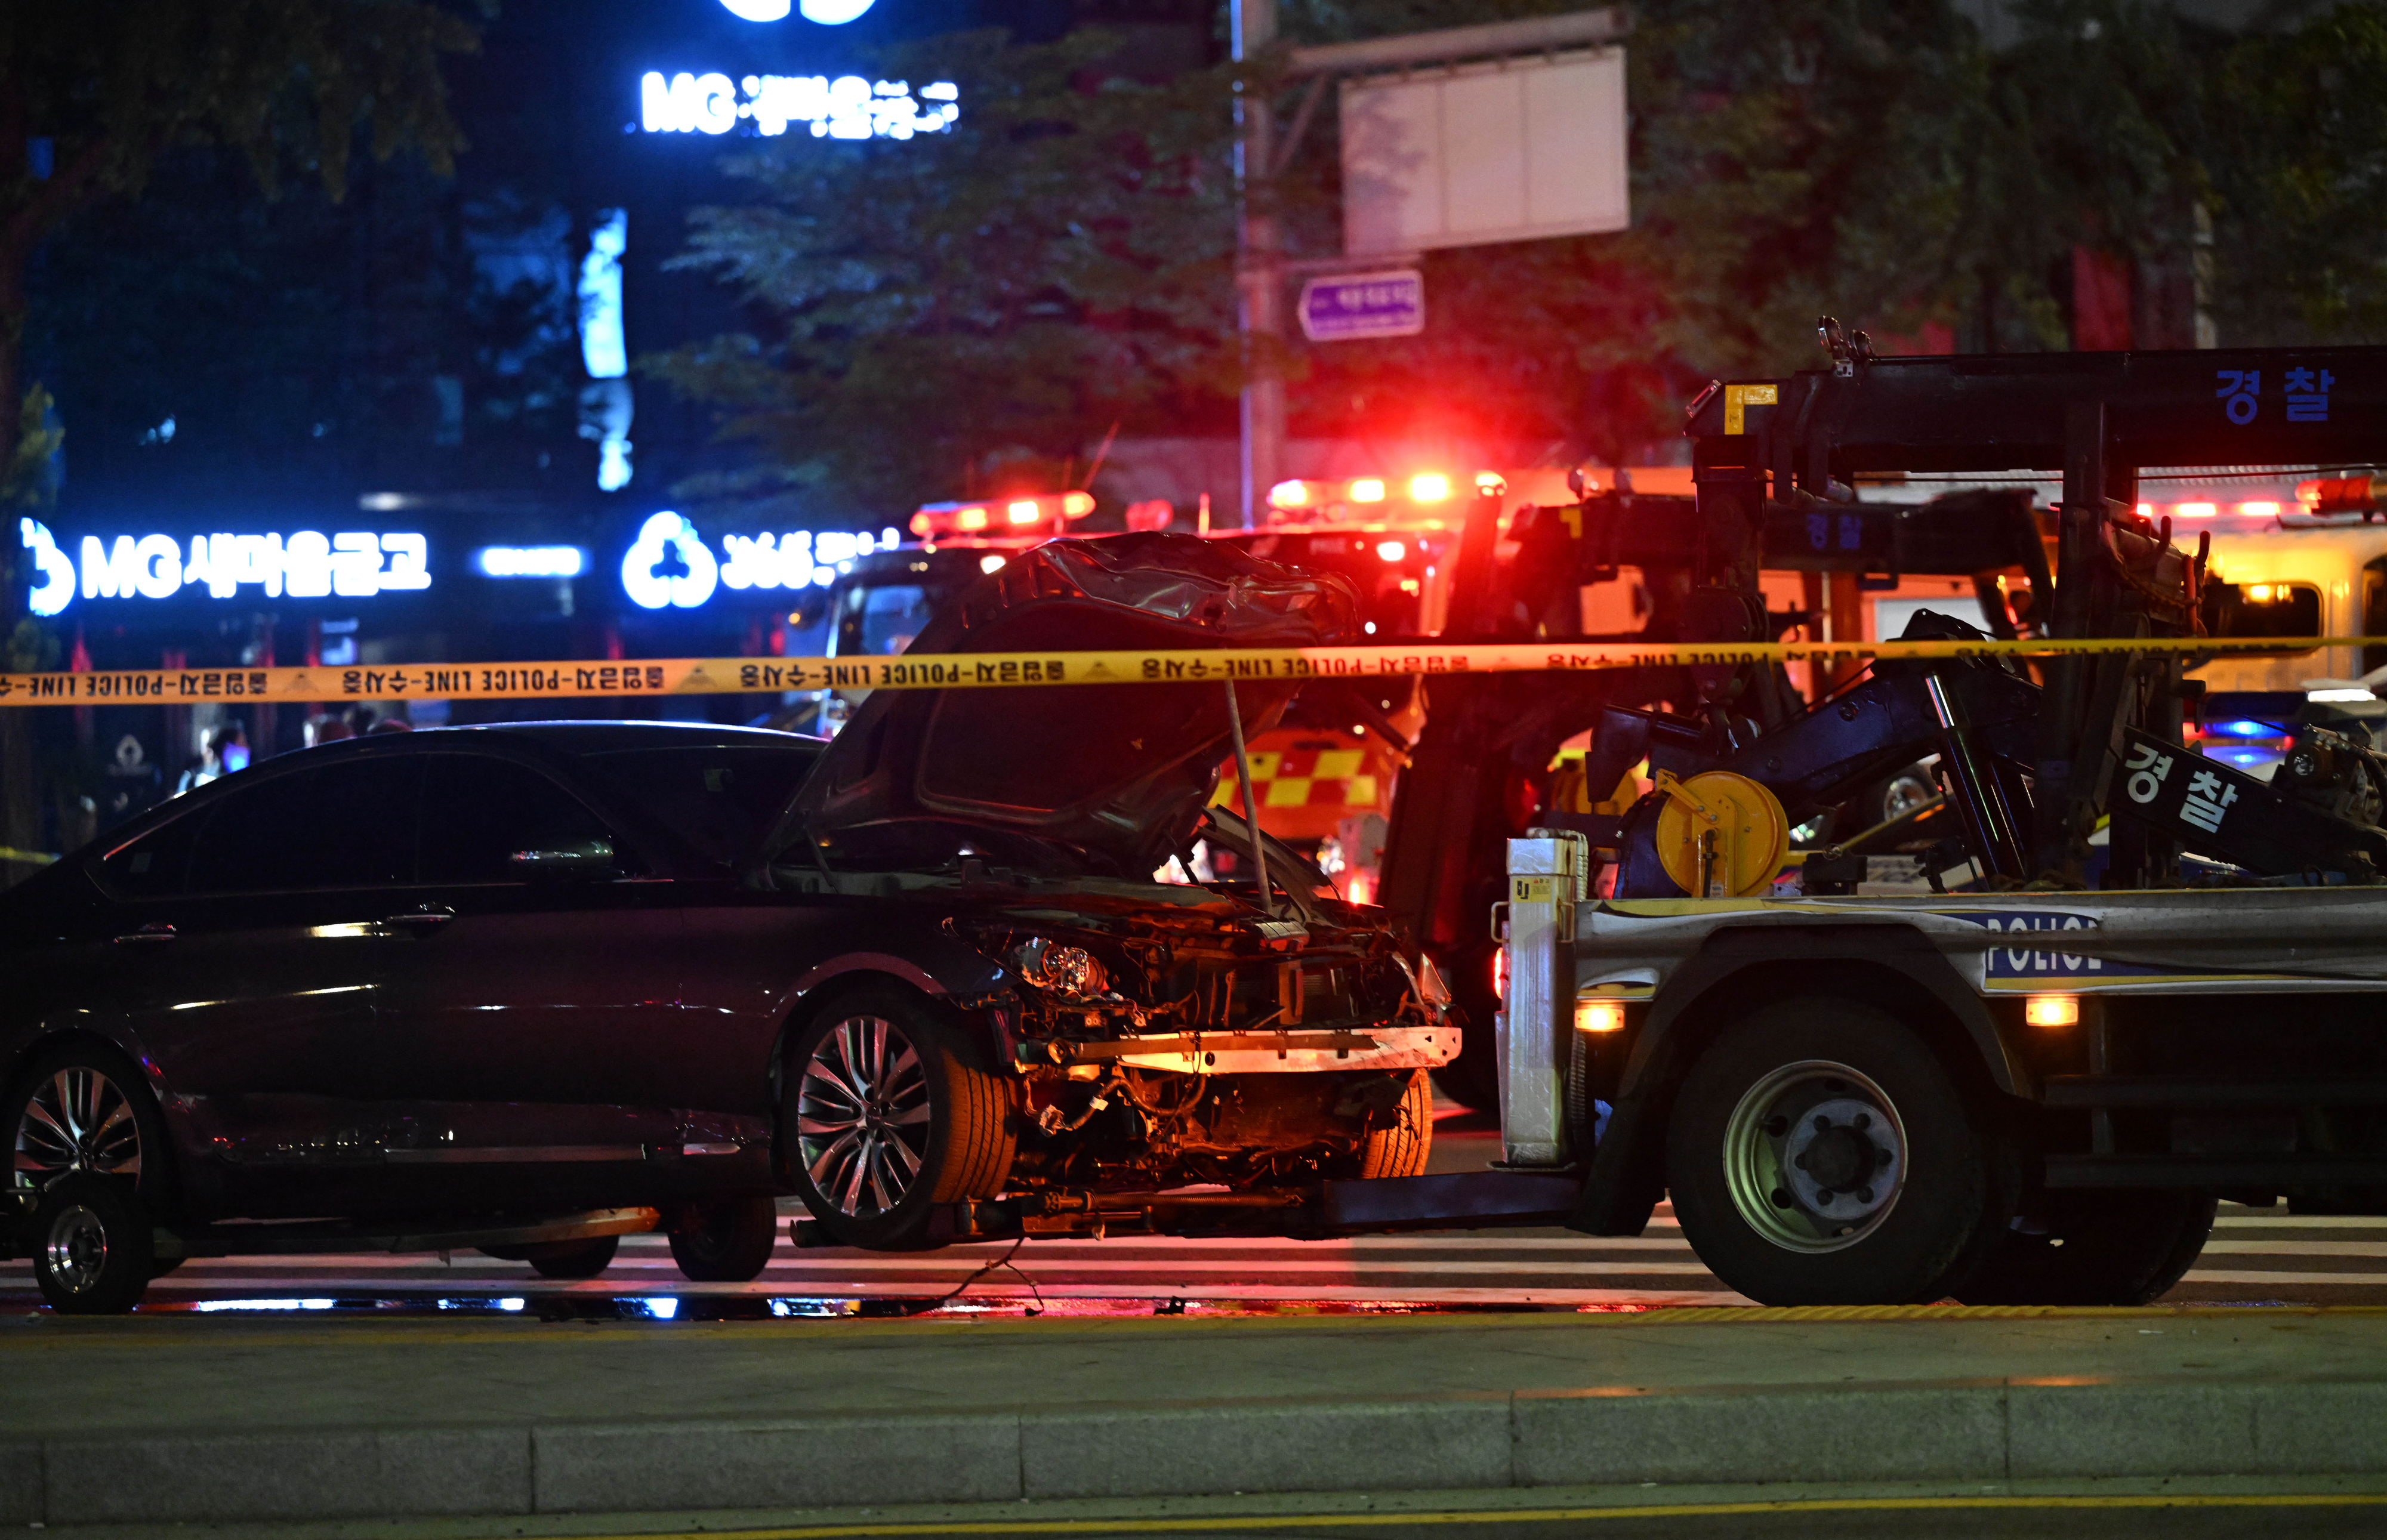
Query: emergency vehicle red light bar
{"points": [[2341, 495], [1332, 499], [1047, 511]]}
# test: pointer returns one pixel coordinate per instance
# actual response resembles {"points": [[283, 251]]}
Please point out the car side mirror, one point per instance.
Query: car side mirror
{"points": [[584, 860]]}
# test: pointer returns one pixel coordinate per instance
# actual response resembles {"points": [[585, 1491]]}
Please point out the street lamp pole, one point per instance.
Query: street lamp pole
{"points": [[1259, 247]]}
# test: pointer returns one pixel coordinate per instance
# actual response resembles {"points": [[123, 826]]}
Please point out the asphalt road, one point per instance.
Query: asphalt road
{"points": [[2255, 1256]]}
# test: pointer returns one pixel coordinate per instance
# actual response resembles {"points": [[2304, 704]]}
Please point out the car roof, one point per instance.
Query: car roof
{"points": [[600, 737]]}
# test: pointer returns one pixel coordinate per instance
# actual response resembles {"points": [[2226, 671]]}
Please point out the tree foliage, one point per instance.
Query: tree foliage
{"points": [[1059, 258], [1872, 159], [2298, 175], [93, 93]]}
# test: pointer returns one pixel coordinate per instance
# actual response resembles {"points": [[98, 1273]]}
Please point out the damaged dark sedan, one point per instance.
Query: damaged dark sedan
{"points": [[962, 973]]}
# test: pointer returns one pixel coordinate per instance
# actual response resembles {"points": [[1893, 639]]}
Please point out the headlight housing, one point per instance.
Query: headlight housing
{"points": [[1430, 982], [1066, 970]]}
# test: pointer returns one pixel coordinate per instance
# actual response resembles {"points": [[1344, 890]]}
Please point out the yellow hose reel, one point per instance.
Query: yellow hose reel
{"points": [[1720, 834]]}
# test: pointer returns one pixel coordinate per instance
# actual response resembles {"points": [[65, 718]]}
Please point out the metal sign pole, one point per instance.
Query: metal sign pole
{"points": [[1259, 248]]}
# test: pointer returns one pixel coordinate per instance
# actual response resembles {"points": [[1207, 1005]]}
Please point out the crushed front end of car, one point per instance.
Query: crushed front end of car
{"points": [[1181, 1054]]}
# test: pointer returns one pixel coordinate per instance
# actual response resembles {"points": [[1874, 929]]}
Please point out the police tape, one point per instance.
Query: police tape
{"points": [[539, 681]]}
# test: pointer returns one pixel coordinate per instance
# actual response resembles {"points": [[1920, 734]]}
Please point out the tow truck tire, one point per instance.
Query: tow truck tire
{"points": [[1820, 1154], [891, 1111], [2102, 1247]]}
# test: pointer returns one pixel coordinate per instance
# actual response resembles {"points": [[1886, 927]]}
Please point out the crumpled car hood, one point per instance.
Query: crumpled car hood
{"points": [[1121, 772]]}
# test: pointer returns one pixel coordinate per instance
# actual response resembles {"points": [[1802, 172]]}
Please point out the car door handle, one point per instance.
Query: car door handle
{"points": [[155, 931], [421, 922]]}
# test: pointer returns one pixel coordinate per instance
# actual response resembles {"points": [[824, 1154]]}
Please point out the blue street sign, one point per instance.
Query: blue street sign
{"points": [[1354, 305]]}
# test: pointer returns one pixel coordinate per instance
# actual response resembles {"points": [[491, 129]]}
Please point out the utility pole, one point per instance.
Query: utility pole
{"points": [[1259, 245]]}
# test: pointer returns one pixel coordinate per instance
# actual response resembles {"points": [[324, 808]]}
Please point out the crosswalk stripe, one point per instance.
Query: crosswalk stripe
{"points": [[2297, 1254]]}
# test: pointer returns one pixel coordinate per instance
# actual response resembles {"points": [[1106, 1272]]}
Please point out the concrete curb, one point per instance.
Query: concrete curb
{"points": [[1983, 1429]]}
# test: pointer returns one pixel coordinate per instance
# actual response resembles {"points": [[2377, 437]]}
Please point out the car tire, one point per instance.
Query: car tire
{"points": [[889, 1111], [1820, 1154], [83, 1108], [93, 1246], [2102, 1247], [567, 1261], [725, 1240], [1401, 1147]]}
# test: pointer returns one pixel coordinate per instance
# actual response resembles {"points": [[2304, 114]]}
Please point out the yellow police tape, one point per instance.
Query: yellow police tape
{"points": [[538, 681]]}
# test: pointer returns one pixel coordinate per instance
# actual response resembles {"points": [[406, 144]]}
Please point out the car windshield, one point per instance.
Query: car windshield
{"points": [[721, 797], [881, 621]]}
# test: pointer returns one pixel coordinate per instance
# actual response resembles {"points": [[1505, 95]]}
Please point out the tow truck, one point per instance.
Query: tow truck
{"points": [[2033, 1086]]}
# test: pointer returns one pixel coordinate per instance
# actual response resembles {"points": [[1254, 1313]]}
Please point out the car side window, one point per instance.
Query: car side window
{"points": [[349, 825], [479, 813]]}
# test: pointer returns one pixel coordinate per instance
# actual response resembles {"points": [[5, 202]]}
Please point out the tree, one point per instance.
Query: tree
{"points": [[1058, 258], [92, 93], [1872, 160], [2298, 168]]}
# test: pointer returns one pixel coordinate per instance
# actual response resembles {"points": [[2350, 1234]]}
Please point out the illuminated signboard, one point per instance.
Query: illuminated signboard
{"points": [[846, 107], [828, 13], [307, 564], [669, 565], [531, 561]]}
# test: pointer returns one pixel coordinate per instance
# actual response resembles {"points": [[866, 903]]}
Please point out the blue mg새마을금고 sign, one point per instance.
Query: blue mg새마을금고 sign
{"points": [[1352, 305]]}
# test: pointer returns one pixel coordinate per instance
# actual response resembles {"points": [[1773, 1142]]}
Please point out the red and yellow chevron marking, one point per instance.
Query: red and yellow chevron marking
{"points": [[1307, 779]]}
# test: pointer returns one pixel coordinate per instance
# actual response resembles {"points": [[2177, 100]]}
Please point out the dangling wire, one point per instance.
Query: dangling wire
{"points": [[1000, 1262]]}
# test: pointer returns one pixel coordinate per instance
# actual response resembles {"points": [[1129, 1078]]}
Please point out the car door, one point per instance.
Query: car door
{"points": [[741, 951], [249, 944], [543, 971]]}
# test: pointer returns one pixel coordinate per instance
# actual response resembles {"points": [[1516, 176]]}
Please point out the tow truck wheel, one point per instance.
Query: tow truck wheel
{"points": [[891, 1111], [1820, 1153], [2099, 1248]]}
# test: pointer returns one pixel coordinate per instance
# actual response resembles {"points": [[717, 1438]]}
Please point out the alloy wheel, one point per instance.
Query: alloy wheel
{"points": [[77, 1249], [862, 1115], [1814, 1156], [78, 1119]]}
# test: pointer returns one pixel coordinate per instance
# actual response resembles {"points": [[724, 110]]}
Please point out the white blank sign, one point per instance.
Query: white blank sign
{"points": [[1511, 151]]}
